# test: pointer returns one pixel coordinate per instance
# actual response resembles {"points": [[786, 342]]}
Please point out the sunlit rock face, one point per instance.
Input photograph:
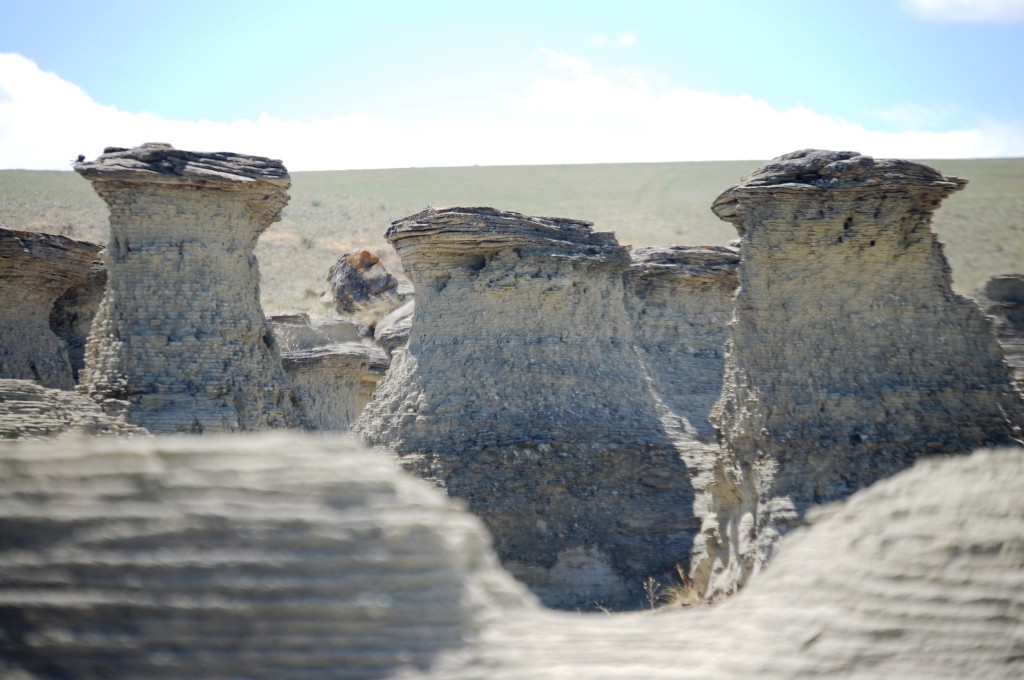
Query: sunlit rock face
{"points": [[29, 411], [333, 383], [521, 391], [850, 356], [180, 342], [35, 271], [679, 299]]}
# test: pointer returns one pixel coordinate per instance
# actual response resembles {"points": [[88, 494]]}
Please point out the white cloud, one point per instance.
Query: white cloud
{"points": [[968, 11], [572, 112], [626, 40]]}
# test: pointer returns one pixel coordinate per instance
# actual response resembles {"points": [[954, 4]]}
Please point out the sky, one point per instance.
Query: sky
{"points": [[379, 84]]}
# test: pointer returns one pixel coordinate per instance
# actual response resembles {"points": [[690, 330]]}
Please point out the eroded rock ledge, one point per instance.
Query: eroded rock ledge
{"points": [[180, 336], [850, 356], [35, 271]]}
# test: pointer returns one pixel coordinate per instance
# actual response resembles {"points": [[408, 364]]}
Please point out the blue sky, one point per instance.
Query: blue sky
{"points": [[336, 85]]}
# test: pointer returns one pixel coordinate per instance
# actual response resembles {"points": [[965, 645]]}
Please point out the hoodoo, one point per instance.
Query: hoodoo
{"points": [[520, 391], [850, 355], [180, 340]]}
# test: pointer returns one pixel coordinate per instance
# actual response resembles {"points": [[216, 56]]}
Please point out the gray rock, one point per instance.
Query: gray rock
{"points": [[1002, 299], [29, 411], [335, 382], [392, 331], [73, 312], [359, 278]]}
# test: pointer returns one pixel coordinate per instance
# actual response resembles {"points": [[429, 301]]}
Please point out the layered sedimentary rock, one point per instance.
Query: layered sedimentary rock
{"points": [[274, 557], [180, 338], [35, 270], [520, 391], [294, 332], [289, 557], [1002, 299], [73, 312], [29, 411], [333, 383], [680, 301], [850, 356], [358, 278], [392, 331]]}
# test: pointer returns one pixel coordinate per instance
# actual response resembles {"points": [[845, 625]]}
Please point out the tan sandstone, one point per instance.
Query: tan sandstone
{"points": [[35, 271], [180, 337], [29, 411], [850, 356]]}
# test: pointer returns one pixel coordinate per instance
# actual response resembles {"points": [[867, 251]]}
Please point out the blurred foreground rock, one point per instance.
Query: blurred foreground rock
{"points": [[284, 557]]}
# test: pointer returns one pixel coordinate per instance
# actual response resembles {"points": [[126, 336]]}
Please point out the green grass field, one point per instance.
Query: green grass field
{"points": [[644, 204]]}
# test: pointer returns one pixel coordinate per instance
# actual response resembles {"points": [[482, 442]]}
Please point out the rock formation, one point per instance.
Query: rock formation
{"points": [[275, 557], [334, 383], [850, 356], [35, 270], [294, 332], [392, 331], [358, 278], [29, 411], [180, 337], [289, 557], [1002, 299], [520, 391], [73, 312], [680, 301]]}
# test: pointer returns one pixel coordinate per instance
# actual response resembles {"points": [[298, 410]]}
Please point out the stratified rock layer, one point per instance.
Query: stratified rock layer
{"points": [[680, 301], [392, 332], [334, 383], [1002, 299], [850, 356], [180, 335], [520, 391], [29, 411], [278, 557], [73, 312], [35, 270]]}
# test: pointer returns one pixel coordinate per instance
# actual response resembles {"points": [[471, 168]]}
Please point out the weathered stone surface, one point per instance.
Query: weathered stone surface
{"points": [[335, 382], [30, 411], [289, 557], [850, 356], [180, 335], [512, 397], [35, 270], [295, 332], [278, 557], [73, 312], [1002, 298], [358, 278], [680, 301], [392, 331]]}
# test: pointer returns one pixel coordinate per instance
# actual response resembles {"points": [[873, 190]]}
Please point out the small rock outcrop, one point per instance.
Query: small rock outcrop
{"points": [[295, 332], [73, 312], [29, 411], [513, 397], [180, 340], [850, 356], [392, 331], [278, 557], [333, 383], [35, 271], [358, 278], [1002, 299], [680, 301]]}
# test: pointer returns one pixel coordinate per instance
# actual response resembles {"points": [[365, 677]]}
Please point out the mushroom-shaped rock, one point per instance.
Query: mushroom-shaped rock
{"points": [[520, 391], [180, 337], [334, 383], [358, 278], [30, 411], [278, 557], [850, 356], [680, 301], [1002, 299], [35, 271]]}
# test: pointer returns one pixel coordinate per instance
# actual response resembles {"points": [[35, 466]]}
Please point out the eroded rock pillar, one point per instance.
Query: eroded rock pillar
{"points": [[36, 270], [180, 339], [521, 392], [850, 354]]}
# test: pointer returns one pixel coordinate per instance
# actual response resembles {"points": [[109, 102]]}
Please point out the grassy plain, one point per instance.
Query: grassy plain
{"points": [[331, 213]]}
